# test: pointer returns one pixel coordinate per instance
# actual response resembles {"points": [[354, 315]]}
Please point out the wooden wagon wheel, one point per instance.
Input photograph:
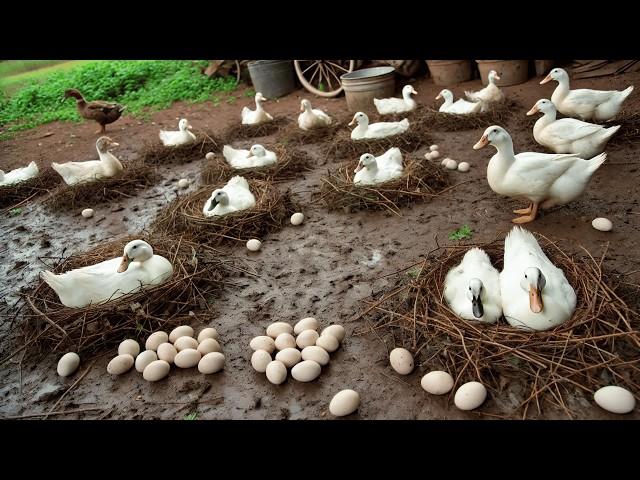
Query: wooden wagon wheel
{"points": [[322, 77]]}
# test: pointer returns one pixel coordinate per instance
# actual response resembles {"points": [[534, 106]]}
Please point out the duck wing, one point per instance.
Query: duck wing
{"points": [[570, 129]]}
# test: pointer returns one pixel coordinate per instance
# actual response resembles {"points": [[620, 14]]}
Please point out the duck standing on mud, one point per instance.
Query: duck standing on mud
{"points": [[97, 110]]}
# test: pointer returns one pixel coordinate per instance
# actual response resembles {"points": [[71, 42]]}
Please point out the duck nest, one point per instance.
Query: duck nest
{"points": [[292, 162], [13, 196], [419, 181], [245, 132], [158, 154], [294, 135], [136, 176], [184, 215], [342, 146], [198, 273], [429, 118], [598, 346], [629, 133]]}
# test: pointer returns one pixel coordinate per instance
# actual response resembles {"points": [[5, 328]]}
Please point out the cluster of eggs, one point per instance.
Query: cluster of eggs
{"points": [[179, 348], [253, 244], [448, 163]]}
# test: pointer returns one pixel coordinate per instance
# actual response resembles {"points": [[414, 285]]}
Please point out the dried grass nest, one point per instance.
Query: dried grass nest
{"points": [[13, 196], [292, 134], [429, 118], [420, 180], [184, 215], [245, 132], [598, 346], [136, 175], [629, 133], [292, 162], [158, 154], [198, 273], [342, 147]]}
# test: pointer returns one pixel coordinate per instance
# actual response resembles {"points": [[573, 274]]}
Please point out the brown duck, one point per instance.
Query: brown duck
{"points": [[102, 112]]}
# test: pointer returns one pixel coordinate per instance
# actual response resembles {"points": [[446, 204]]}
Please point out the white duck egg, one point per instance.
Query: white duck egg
{"points": [[437, 382], [277, 328], [263, 342], [167, 352], [464, 167], [144, 359], [208, 333], [307, 338], [209, 345], [433, 147], [315, 353], [328, 342], [308, 323], [68, 364], [276, 372], [212, 362], [183, 343], [260, 359], [120, 364], [336, 330], [156, 370], [129, 346], [344, 403], [254, 245], [470, 396], [87, 212], [297, 218], [187, 358], [210, 156], [306, 371], [428, 156], [401, 361], [181, 331], [615, 399], [451, 164], [285, 340], [155, 340], [602, 224], [435, 154], [183, 183], [289, 356]]}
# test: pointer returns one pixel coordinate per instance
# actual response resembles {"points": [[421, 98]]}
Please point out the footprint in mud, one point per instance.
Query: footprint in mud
{"points": [[374, 260]]}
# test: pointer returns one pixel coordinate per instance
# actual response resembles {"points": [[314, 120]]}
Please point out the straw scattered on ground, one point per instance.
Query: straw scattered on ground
{"points": [[15, 196], [342, 147], [157, 154], [429, 118], [245, 132]]}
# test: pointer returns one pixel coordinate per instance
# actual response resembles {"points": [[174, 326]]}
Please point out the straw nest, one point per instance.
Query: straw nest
{"points": [[419, 181], [629, 133], [244, 132], [294, 135], [198, 275], [184, 215], [13, 196], [596, 347], [429, 118], [292, 162], [136, 175], [342, 146], [158, 154]]}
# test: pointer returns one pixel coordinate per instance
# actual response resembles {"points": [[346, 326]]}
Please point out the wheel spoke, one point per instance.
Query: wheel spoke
{"points": [[306, 69], [335, 76], [314, 74], [338, 66]]}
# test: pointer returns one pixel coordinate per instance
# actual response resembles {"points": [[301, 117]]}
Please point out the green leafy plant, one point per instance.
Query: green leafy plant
{"points": [[231, 99], [321, 87], [15, 211], [461, 233], [191, 416], [250, 93]]}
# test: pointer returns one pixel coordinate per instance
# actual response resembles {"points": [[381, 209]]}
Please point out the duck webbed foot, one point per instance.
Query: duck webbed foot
{"points": [[524, 211], [530, 214], [102, 129]]}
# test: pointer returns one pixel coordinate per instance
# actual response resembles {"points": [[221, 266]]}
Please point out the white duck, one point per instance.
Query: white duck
{"points": [[19, 175], [138, 268], [182, 137], [376, 130], [256, 156], [460, 107], [489, 94], [372, 170], [311, 118], [586, 104], [81, 172], [536, 294], [569, 135], [234, 196], [546, 179], [387, 106], [259, 115], [472, 288]]}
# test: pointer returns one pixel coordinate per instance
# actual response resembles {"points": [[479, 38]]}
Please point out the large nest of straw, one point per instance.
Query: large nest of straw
{"points": [[198, 274], [158, 154], [342, 146], [292, 134], [136, 175], [420, 180], [429, 118], [184, 215], [292, 162], [244, 132], [13, 196], [596, 347]]}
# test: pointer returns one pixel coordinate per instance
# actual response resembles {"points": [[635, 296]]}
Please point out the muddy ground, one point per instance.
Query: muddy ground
{"points": [[323, 269]]}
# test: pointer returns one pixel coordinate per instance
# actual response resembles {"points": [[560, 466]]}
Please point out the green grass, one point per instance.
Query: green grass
{"points": [[191, 416], [141, 85], [15, 211], [13, 67], [461, 233], [12, 83]]}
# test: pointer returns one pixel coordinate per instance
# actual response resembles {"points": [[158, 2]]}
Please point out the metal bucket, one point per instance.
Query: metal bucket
{"points": [[449, 72], [272, 78], [511, 72], [362, 86]]}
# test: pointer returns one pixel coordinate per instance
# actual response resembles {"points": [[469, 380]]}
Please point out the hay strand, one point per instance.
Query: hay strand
{"points": [[245, 132], [13, 196], [429, 118], [157, 154]]}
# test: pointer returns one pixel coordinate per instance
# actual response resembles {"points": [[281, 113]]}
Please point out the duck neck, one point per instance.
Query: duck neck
{"points": [[372, 167], [406, 95], [561, 91], [362, 126], [448, 101], [543, 122], [258, 104]]}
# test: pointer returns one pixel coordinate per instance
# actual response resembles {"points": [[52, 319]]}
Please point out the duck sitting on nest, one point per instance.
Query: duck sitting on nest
{"points": [[182, 137], [102, 112], [259, 115], [364, 129], [90, 171], [18, 175]]}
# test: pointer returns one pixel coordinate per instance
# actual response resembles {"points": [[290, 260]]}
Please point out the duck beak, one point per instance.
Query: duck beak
{"points": [[124, 264], [535, 299], [301, 108], [483, 142], [477, 307], [189, 127], [533, 110], [358, 168], [414, 91], [213, 204], [249, 154], [353, 122], [546, 79], [497, 77], [114, 144], [439, 96]]}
